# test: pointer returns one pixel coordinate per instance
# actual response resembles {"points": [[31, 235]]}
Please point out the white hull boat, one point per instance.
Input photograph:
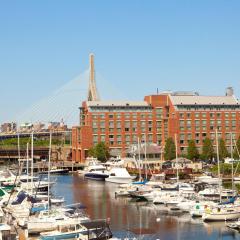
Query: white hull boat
{"points": [[119, 175], [220, 214]]}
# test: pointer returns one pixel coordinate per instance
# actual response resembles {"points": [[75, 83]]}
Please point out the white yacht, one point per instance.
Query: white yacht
{"points": [[119, 175], [209, 179]]}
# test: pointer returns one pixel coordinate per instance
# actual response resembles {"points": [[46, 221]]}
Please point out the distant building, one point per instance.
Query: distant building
{"points": [[187, 114], [26, 127], [57, 126], [9, 127], [38, 127], [182, 163]]}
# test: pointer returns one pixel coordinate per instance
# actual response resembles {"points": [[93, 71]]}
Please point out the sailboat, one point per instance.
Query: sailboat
{"points": [[222, 212]]}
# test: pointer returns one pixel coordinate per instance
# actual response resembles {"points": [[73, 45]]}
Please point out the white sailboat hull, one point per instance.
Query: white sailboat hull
{"points": [[221, 216]]}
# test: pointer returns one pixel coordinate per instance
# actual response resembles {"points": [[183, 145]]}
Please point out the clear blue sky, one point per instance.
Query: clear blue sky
{"points": [[139, 46]]}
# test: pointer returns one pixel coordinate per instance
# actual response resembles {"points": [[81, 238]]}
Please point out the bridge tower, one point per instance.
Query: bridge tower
{"points": [[92, 87]]}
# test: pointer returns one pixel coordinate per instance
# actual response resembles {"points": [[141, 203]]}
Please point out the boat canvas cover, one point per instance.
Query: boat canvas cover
{"points": [[20, 197], [231, 200], [94, 224]]}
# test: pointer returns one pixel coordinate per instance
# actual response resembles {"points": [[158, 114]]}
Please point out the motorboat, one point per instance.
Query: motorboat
{"points": [[97, 172], [114, 162], [64, 231], [50, 220], [156, 180], [209, 179], [56, 171], [119, 175]]}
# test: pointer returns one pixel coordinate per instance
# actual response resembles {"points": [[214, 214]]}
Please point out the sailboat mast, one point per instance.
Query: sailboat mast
{"points": [[19, 147], [32, 163], [232, 159], [176, 146], [219, 182], [145, 155], [139, 160], [49, 167], [27, 165]]}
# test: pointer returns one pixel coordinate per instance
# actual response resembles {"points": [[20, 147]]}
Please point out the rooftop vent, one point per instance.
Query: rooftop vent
{"points": [[229, 91]]}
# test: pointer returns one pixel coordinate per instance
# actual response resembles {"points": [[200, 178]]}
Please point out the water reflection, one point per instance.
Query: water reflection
{"points": [[129, 217]]}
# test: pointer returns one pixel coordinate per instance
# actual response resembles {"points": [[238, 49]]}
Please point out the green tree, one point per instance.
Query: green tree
{"points": [[100, 151], [169, 150], [207, 149], [91, 152], [237, 149], [192, 150], [223, 152]]}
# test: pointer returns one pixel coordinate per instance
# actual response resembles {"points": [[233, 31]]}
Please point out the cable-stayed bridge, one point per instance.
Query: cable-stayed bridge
{"points": [[64, 102]]}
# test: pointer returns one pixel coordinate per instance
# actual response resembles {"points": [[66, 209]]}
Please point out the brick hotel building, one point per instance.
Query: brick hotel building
{"points": [[120, 123]]}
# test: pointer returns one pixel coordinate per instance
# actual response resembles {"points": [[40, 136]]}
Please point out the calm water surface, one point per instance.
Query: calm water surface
{"points": [[140, 219]]}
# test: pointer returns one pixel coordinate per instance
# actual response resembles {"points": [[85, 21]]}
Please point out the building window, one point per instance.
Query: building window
{"points": [[110, 115], [126, 129], [204, 115], [181, 123], [181, 115], [127, 137], [218, 115], [159, 110], [197, 128], [94, 124], [102, 138], [111, 124], [211, 115], [196, 115], [188, 115]]}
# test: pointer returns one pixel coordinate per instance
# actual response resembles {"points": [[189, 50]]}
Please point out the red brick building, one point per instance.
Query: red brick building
{"points": [[189, 115]]}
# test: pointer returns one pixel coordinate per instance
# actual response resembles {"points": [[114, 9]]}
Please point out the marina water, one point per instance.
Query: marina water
{"points": [[130, 218]]}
